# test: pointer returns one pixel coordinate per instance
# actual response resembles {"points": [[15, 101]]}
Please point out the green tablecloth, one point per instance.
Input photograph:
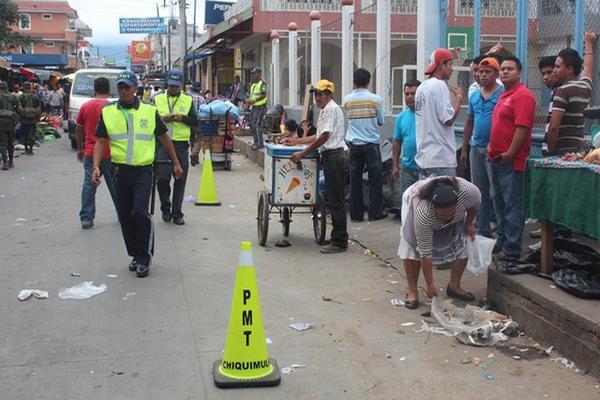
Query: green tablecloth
{"points": [[569, 197]]}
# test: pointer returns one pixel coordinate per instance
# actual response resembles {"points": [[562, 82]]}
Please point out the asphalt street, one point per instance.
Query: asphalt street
{"points": [[157, 337]]}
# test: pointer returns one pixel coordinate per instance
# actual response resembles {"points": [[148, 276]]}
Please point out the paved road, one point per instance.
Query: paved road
{"points": [[156, 338]]}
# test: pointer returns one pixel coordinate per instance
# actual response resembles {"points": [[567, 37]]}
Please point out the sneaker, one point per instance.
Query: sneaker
{"points": [[5, 167], [166, 216], [536, 234], [194, 160], [380, 216], [87, 224], [179, 221], [142, 270], [133, 266], [332, 249]]}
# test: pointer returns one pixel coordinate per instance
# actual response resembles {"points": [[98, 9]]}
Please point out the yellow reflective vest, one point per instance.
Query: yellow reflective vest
{"points": [[255, 91], [131, 133], [178, 131]]}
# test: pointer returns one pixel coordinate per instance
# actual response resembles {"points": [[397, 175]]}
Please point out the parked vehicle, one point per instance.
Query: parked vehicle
{"points": [[82, 90]]}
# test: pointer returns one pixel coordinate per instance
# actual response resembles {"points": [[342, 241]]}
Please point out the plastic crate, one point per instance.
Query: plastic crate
{"points": [[209, 127]]}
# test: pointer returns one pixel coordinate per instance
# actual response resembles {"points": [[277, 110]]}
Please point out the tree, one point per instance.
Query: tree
{"points": [[9, 15]]}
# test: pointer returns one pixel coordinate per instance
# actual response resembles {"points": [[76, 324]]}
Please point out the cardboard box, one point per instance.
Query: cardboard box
{"points": [[217, 144]]}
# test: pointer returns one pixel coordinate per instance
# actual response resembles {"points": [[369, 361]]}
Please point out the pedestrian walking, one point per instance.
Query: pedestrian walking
{"points": [[9, 117], [177, 111], [55, 101], [437, 217], [435, 116], [30, 115], [476, 137], [257, 101], [85, 136], [329, 140], [404, 139], [131, 127], [565, 131], [508, 150], [364, 111]]}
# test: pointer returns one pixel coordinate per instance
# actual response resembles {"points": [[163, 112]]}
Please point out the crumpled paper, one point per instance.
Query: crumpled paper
{"points": [[27, 293]]}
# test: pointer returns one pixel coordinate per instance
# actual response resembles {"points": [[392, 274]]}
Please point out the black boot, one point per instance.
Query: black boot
{"points": [[4, 160]]}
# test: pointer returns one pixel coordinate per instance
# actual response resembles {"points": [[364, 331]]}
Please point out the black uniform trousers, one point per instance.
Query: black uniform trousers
{"points": [[165, 173], [133, 187], [332, 162]]}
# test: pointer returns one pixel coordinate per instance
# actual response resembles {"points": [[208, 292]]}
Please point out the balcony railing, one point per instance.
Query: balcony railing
{"points": [[302, 5], [408, 7], [494, 8]]}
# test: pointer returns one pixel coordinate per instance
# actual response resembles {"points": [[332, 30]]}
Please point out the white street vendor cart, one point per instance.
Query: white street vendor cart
{"points": [[290, 186]]}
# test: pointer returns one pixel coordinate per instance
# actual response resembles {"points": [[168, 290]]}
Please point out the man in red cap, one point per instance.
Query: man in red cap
{"points": [[435, 116]]}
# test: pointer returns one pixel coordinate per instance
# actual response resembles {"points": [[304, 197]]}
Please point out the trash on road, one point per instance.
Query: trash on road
{"points": [[330, 300], [283, 243], [480, 254], [465, 361], [470, 325], [564, 361], [292, 368], [397, 302], [189, 199], [82, 291], [302, 326], [75, 274], [27, 293], [408, 324], [21, 220], [112, 275], [128, 295], [268, 340]]}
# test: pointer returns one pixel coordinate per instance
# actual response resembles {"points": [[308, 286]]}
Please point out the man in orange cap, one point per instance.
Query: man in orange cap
{"points": [[477, 136], [435, 116]]}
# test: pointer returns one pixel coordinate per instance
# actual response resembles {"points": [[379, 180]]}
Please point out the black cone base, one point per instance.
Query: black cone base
{"points": [[222, 381]]}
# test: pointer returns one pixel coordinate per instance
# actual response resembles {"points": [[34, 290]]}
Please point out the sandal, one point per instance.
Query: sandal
{"points": [[411, 305], [466, 296]]}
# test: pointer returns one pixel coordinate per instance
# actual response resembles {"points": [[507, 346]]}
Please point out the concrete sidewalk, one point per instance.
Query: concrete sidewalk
{"points": [[156, 338]]}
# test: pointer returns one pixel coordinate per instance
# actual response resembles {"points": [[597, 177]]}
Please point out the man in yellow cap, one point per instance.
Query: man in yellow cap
{"points": [[330, 142]]}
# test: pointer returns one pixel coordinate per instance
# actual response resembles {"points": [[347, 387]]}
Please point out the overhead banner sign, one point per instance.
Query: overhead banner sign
{"points": [[141, 51], [215, 10], [142, 25]]}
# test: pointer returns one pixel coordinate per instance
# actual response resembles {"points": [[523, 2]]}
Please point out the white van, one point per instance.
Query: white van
{"points": [[82, 89]]}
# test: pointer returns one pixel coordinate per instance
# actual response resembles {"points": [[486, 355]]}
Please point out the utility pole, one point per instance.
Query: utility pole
{"points": [[183, 31], [160, 43]]}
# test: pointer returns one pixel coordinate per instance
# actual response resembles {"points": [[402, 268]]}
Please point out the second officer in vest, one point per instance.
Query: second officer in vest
{"points": [[132, 128], [258, 102], [177, 111]]}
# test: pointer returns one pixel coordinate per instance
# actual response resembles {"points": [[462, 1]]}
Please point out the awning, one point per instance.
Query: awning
{"points": [[27, 73], [43, 74], [201, 55]]}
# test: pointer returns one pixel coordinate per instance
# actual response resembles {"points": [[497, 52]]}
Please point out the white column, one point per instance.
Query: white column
{"points": [[347, 46], [293, 66], [315, 46], [275, 87], [382, 73], [428, 32]]}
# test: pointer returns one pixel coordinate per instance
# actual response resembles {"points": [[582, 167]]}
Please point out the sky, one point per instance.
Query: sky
{"points": [[102, 16]]}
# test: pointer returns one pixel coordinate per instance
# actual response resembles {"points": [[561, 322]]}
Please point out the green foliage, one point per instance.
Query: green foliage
{"points": [[9, 15]]}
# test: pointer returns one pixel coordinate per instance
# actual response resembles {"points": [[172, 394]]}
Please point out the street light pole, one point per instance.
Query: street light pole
{"points": [[183, 30]]}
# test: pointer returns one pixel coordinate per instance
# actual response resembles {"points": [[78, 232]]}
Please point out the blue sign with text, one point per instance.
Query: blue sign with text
{"points": [[142, 25], [36, 59], [215, 10]]}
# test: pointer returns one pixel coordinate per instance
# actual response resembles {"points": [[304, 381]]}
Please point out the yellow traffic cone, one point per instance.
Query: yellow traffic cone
{"points": [[246, 361], [207, 192]]}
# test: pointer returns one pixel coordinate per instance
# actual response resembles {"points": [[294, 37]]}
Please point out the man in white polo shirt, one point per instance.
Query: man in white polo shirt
{"points": [[435, 116], [330, 142]]}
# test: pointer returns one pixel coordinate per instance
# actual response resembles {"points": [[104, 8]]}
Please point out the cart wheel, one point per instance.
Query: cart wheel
{"points": [[319, 217], [263, 217], [228, 165], [286, 220]]}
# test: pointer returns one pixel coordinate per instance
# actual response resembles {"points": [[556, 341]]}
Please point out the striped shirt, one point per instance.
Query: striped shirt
{"points": [[426, 220], [365, 115], [572, 98]]}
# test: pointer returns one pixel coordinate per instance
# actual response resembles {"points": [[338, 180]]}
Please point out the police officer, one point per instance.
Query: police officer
{"points": [[132, 128], [9, 108], [30, 114], [178, 112], [258, 102]]}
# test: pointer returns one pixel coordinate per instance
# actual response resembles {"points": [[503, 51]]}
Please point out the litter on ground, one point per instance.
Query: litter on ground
{"points": [[82, 291], [27, 293], [302, 326]]}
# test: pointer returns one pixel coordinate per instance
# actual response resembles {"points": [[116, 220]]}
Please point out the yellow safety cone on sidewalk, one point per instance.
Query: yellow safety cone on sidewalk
{"points": [[246, 361], [207, 192]]}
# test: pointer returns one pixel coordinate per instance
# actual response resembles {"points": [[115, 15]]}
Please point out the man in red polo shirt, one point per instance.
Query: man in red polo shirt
{"points": [[508, 149], [87, 120]]}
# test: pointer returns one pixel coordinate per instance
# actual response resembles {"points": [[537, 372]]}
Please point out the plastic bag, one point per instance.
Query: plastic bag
{"points": [[584, 284], [480, 254], [83, 291]]}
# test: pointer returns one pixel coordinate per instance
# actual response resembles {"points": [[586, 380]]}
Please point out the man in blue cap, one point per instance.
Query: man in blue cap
{"points": [[258, 102], [132, 128], [179, 114]]}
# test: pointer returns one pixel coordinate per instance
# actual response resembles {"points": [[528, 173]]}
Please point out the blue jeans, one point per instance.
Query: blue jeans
{"points": [[369, 155], [508, 198], [88, 190], [429, 172], [478, 159]]}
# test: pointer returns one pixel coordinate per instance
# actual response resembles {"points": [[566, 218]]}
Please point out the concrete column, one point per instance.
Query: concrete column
{"points": [[315, 47], [384, 89], [476, 27], [293, 66], [428, 32], [275, 73], [347, 46], [522, 35]]}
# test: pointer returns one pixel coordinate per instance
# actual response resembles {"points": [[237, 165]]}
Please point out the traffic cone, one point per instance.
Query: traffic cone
{"points": [[246, 361], [207, 192]]}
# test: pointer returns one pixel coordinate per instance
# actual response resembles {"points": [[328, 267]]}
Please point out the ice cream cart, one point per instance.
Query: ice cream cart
{"points": [[290, 188]]}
